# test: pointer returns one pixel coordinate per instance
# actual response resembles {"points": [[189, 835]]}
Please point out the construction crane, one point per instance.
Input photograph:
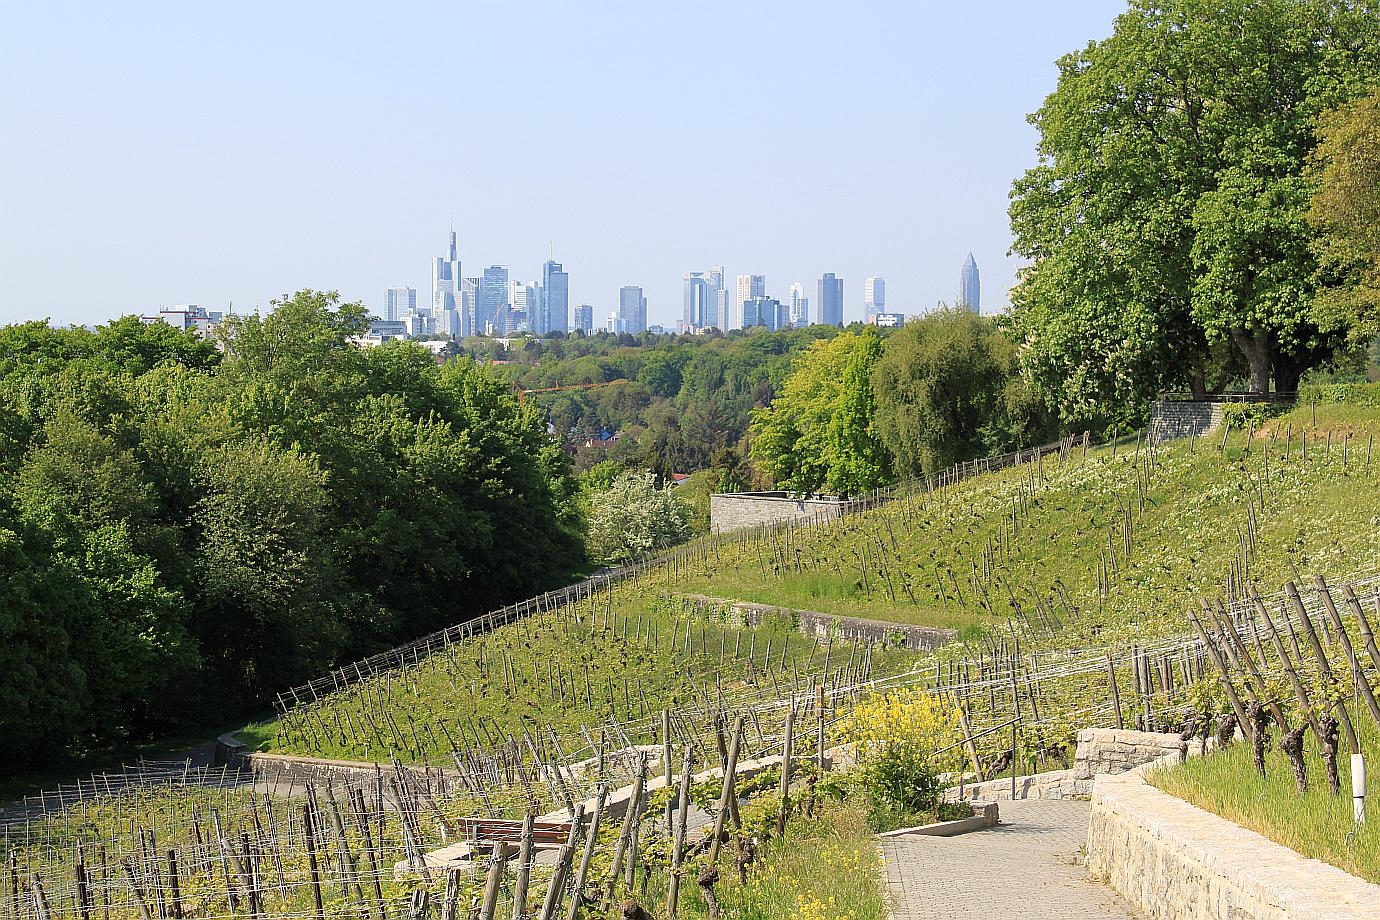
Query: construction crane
{"points": [[522, 392]]}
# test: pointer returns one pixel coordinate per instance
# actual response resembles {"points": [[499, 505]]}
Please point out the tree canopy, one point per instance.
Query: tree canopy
{"points": [[819, 435], [948, 388], [1165, 219], [1345, 211], [183, 531]]}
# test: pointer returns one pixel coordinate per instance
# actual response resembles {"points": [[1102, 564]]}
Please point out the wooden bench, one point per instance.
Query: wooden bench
{"points": [[484, 832]]}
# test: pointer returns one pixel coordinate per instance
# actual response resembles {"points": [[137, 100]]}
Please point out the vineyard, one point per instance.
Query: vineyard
{"points": [[642, 729]]}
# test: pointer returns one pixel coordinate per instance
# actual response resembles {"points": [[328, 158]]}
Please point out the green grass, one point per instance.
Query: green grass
{"points": [[947, 559], [553, 672], [1316, 824], [825, 868]]}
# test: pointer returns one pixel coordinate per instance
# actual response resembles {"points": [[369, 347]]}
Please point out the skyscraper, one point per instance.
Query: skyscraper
{"points": [[970, 286], [524, 301], [492, 298], [584, 318], [749, 286], [763, 311], [555, 299], [398, 302], [723, 310], [831, 300], [632, 309], [445, 281], [874, 296], [469, 302], [800, 306], [700, 307]]}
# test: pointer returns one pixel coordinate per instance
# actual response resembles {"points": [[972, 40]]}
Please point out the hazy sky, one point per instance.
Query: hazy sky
{"points": [[206, 153]]}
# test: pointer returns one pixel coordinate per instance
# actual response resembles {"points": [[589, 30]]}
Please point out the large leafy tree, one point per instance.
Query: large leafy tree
{"points": [[1345, 210], [819, 434], [948, 388], [1164, 220]]}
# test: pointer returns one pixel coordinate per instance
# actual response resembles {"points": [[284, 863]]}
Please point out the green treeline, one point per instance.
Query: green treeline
{"points": [[687, 401], [185, 529]]}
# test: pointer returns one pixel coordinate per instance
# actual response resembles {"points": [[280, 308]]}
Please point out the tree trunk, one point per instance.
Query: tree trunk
{"points": [[1257, 348], [1287, 373]]}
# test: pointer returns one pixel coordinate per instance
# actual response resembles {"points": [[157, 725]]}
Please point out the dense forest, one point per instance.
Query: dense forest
{"points": [[186, 527], [684, 404]]}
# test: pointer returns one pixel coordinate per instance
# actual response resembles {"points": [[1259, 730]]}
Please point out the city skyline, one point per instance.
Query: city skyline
{"points": [[263, 168], [706, 302]]}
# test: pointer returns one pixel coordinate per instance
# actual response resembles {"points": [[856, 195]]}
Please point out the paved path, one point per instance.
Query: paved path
{"points": [[1027, 868]]}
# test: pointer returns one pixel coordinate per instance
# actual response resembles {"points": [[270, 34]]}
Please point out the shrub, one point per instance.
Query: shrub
{"points": [[634, 517], [905, 740], [1366, 395]]}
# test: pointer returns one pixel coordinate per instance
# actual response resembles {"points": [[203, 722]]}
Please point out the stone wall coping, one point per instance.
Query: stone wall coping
{"points": [[1297, 887], [785, 497]]}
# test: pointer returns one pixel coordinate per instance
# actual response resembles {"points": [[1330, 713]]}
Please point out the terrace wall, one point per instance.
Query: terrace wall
{"points": [[738, 510], [1170, 859], [1173, 418], [824, 625], [1101, 752]]}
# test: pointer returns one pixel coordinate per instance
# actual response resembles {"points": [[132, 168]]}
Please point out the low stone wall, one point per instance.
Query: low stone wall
{"points": [[737, 510], [823, 625], [1170, 860], [1101, 752], [1176, 418]]}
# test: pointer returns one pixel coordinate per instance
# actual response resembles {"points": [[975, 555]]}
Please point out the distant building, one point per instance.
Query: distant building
{"points": [[800, 306], [386, 329], [632, 309], [469, 300], [749, 286], [874, 296], [555, 300], [888, 320], [718, 293], [764, 311], [189, 317], [831, 300], [700, 303], [616, 322], [399, 301], [445, 282], [584, 318], [970, 286], [491, 299], [525, 303]]}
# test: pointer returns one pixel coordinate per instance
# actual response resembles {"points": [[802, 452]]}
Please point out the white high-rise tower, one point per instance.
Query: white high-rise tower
{"points": [[445, 284], [874, 296]]}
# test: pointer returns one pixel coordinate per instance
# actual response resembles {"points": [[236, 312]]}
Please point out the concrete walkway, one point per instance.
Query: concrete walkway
{"points": [[1027, 868]]}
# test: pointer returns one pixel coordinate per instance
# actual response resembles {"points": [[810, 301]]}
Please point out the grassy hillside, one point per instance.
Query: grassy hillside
{"points": [[1107, 545]]}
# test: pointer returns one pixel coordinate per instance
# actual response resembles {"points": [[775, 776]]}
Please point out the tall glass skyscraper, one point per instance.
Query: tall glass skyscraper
{"points": [[632, 309], [874, 296], [555, 299], [398, 302], [492, 297], [831, 300], [800, 306], [445, 281], [584, 318], [749, 286], [970, 286]]}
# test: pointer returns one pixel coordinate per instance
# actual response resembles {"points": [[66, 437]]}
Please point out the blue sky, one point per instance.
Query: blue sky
{"points": [[198, 153]]}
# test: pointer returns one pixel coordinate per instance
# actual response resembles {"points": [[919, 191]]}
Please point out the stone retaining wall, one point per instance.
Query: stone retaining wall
{"points": [[1101, 752], [1171, 418], [737, 510], [823, 625], [1171, 860]]}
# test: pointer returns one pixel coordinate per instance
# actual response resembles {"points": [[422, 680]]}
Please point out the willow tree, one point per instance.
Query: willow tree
{"points": [[1165, 219]]}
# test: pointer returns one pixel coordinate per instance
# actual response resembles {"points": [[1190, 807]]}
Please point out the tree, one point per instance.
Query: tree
{"points": [[818, 435], [1345, 212], [948, 388], [633, 518], [1165, 218]]}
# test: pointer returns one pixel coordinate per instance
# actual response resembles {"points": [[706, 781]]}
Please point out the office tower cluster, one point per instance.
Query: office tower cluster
{"points": [[493, 303]]}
